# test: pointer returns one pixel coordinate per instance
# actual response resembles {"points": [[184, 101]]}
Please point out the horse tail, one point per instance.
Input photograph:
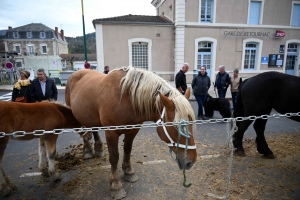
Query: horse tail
{"points": [[74, 77], [239, 107], [67, 94]]}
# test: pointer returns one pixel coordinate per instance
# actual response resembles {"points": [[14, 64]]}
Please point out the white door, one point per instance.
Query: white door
{"points": [[204, 56], [204, 59]]}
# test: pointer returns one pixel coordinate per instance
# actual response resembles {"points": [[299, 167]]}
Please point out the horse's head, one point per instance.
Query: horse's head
{"points": [[208, 106], [170, 135]]}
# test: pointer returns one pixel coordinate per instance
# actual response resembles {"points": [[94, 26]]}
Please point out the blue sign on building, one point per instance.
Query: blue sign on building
{"points": [[264, 60]]}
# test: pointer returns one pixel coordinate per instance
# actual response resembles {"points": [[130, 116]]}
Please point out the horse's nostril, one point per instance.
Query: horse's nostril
{"points": [[189, 165]]}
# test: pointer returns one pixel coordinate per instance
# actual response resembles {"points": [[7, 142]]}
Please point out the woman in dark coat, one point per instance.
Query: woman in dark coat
{"points": [[22, 87], [200, 85]]}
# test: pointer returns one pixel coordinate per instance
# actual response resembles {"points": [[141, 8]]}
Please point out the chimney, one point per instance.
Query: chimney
{"points": [[9, 27], [56, 32], [62, 34]]}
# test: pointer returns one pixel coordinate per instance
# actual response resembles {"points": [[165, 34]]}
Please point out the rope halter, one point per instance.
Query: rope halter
{"points": [[172, 143], [182, 131]]}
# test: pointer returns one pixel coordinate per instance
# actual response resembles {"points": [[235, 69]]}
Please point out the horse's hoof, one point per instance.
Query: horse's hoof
{"points": [[12, 186], [57, 176], [270, 156], [239, 153], [99, 154], [131, 178], [44, 172], [88, 155], [118, 194], [6, 190]]}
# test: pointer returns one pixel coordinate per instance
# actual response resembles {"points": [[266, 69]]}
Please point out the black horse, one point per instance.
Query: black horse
{"points": [[219, 104], [258, 96]]}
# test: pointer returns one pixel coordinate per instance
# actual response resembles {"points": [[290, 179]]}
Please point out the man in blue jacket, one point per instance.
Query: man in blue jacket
{"points": [[43, 88], [222, 82]]}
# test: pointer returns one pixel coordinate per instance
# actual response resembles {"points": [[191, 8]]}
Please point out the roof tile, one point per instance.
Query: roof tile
{"points": [[32, 27], [134, 19]]}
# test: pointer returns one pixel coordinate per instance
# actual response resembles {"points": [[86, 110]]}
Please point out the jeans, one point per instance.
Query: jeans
{"points": [[222, 92], [200, 100], [234, 97]]}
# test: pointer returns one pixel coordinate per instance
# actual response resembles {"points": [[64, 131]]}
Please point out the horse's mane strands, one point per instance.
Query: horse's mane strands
{"points": [[144, 87]]}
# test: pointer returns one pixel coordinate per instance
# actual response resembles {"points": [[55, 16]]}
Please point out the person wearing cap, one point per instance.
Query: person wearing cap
{"points": [[22, 87]]}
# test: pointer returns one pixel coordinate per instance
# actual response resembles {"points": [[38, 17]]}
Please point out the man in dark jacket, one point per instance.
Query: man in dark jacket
{"points": [[222, 82], [200, 85], [180, 79], [43, 88]]}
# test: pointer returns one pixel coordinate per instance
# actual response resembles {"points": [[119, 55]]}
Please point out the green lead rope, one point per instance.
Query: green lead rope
{"points": [[183, 130], [184, 180]]}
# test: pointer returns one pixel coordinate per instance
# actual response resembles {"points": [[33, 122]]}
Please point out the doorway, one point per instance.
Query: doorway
{"points": [[291, 59], [204, 56]]}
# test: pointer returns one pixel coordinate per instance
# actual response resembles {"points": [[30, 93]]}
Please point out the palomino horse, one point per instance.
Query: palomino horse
{"points": [[129, 96], [258, 96], [30, 117]]}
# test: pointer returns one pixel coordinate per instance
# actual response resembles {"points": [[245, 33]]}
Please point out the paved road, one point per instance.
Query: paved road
{"points": [[159, 175], [5, 96]]}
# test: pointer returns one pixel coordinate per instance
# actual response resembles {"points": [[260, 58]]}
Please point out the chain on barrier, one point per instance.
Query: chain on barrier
{"points": [[229, 131], [140, 126]]}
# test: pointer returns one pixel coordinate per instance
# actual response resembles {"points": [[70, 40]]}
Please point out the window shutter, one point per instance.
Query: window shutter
{"points": [[254, 12], [296, 15]]}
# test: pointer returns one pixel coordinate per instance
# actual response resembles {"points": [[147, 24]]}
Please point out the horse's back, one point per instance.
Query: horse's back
{"points": [[269, 90], [77, 81], [33, 116], [88, 93]]}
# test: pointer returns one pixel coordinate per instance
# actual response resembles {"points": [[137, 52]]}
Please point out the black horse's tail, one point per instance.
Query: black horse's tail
{"points": [[239, 107]]}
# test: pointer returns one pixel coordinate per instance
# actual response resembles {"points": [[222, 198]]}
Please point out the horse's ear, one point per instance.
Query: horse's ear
{"points": [[187, 93], [167, 102]]}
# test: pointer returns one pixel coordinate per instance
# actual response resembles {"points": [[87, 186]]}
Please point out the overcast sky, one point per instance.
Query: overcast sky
{"points": [[67, 14]]}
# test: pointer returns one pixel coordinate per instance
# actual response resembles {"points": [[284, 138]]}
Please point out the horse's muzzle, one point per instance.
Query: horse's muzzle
{"points": [[184, 164]]}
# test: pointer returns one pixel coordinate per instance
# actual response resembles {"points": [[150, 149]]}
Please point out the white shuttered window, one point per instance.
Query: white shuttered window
{"points": [[296, 15], [207, 10], [254, 16]]}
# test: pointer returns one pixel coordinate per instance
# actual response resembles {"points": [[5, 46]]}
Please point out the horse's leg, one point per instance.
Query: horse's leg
{"points": [[98, 146], [238, 137], [87, 147], [126, 166], [262, 146], [50, 141], [5, 185], [117, 191], [42, 156]]}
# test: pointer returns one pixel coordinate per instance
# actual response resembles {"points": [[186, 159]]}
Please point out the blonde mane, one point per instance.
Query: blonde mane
{"points": [[144, 87]]}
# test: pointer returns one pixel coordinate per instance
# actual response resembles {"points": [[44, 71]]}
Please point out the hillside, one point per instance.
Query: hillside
{"points": [[76, 44]]}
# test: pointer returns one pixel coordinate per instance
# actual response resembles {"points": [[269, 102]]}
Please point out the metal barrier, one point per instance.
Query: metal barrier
{"points": [[7, 77]]}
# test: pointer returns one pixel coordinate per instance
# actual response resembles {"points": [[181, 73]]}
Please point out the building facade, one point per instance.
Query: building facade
{"points": [[252, 36], [36, 45], [145, 42]]}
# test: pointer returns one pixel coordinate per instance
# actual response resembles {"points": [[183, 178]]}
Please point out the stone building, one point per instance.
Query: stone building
{"points": [[37, 46]]}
